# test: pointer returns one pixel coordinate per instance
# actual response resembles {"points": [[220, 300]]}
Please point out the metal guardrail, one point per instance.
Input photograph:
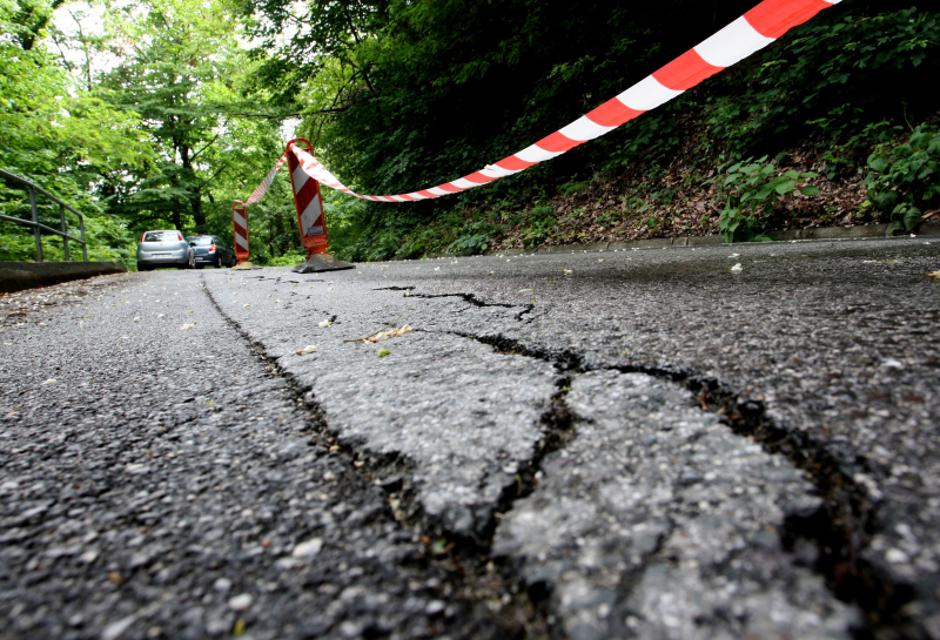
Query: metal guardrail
{"points": [[39, 227]]}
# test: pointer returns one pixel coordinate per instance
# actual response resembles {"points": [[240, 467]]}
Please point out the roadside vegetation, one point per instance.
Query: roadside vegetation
{"points": [[158, 113]]}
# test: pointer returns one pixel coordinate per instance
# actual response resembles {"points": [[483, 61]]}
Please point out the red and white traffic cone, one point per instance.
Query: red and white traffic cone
{"points": [[311, 218], [240, 229]]}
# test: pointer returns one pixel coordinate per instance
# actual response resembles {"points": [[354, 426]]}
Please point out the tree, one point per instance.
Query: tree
{"points": [[175, 52], [55, 133]]}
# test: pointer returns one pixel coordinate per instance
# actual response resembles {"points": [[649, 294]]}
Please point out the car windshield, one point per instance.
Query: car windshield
{"points": [[161, 236], [201, 240]]}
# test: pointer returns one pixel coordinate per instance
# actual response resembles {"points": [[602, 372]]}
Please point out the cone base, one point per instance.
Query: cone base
{"points": [[322, 262]]}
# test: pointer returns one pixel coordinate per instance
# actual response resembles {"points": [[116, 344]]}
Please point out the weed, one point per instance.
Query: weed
{"points": [[904, 179], [541, 221], [753, 190]]}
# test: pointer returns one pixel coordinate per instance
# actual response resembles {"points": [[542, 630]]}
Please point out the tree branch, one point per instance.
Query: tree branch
{"points": [[206, 146]]}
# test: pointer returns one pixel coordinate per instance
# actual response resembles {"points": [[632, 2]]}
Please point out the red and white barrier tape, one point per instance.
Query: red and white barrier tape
{"points": [[751, 32], [265, 184]]}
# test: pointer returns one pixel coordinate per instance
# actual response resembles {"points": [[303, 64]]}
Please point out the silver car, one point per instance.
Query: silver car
{"points": [[164, 248]]}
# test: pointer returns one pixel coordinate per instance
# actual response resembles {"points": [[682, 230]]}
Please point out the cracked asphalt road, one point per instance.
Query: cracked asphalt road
{"points": [[624, 444]]}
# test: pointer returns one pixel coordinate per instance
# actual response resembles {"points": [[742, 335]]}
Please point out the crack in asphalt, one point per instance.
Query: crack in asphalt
{"points": [[474, 574], [469, 298], [840, 529]]}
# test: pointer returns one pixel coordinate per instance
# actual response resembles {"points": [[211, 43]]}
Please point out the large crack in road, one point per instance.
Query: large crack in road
{"points": [[809, 535]]}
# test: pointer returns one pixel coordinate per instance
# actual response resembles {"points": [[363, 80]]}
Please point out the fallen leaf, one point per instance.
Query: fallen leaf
{"points": [[305, 350], [188, 326], [324, 324], [383, 352], [386, 334], [934, 274], [737, 268]]}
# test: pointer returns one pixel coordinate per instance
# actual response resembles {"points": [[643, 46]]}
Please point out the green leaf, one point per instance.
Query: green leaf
{"points": [[878, 163]]}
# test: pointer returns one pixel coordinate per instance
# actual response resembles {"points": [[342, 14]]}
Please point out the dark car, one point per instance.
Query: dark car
{"points": [[211, 250], [163, 248]]}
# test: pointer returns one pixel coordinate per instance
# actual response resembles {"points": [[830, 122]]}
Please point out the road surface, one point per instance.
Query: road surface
{"points": [[718, 442]]}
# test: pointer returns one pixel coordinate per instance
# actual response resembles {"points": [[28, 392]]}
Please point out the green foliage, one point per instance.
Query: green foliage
{"points": [[473, 239], [753, 190], [285, 260], [540, 220], [904, 178], [174, 77]]}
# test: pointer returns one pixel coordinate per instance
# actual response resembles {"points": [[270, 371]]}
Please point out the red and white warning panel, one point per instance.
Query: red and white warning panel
{"points": [[311, 219], [240, 228], [751, 32], [308, 202]]}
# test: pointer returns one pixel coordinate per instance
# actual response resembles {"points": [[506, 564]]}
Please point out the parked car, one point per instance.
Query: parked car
{"points": [[164, 248], [211, 250]]}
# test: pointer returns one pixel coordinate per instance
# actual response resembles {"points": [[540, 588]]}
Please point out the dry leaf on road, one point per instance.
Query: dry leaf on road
{"points": [[385, 334], [305, 350]]}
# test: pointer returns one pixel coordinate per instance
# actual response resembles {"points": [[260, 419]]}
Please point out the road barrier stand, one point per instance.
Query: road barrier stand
{"points": [[240, 230], [311, 218], [240, 216]]}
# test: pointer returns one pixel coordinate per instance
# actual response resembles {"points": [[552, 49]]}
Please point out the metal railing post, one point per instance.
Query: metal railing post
{"points": [[37, 233], [38, 227], [81, 224], [65, 232]]}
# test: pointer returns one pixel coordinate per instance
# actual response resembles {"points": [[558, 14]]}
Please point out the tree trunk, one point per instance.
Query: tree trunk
{"points": [[195, 193]]}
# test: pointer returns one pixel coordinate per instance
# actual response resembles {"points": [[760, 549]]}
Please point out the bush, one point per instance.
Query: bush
{"points": [[753, 190], [540, 222], [904, 179], [473, 239]]}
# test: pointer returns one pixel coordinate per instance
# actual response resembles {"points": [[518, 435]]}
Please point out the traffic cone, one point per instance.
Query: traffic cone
{"points": [[311, 218]]}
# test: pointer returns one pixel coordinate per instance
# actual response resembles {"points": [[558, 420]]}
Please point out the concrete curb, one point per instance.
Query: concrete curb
{"points": [[16, 276], [817, 233]]}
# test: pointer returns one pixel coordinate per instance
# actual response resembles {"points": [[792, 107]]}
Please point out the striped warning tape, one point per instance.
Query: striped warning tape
{"points": [[265, 184], [749, 33]]}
